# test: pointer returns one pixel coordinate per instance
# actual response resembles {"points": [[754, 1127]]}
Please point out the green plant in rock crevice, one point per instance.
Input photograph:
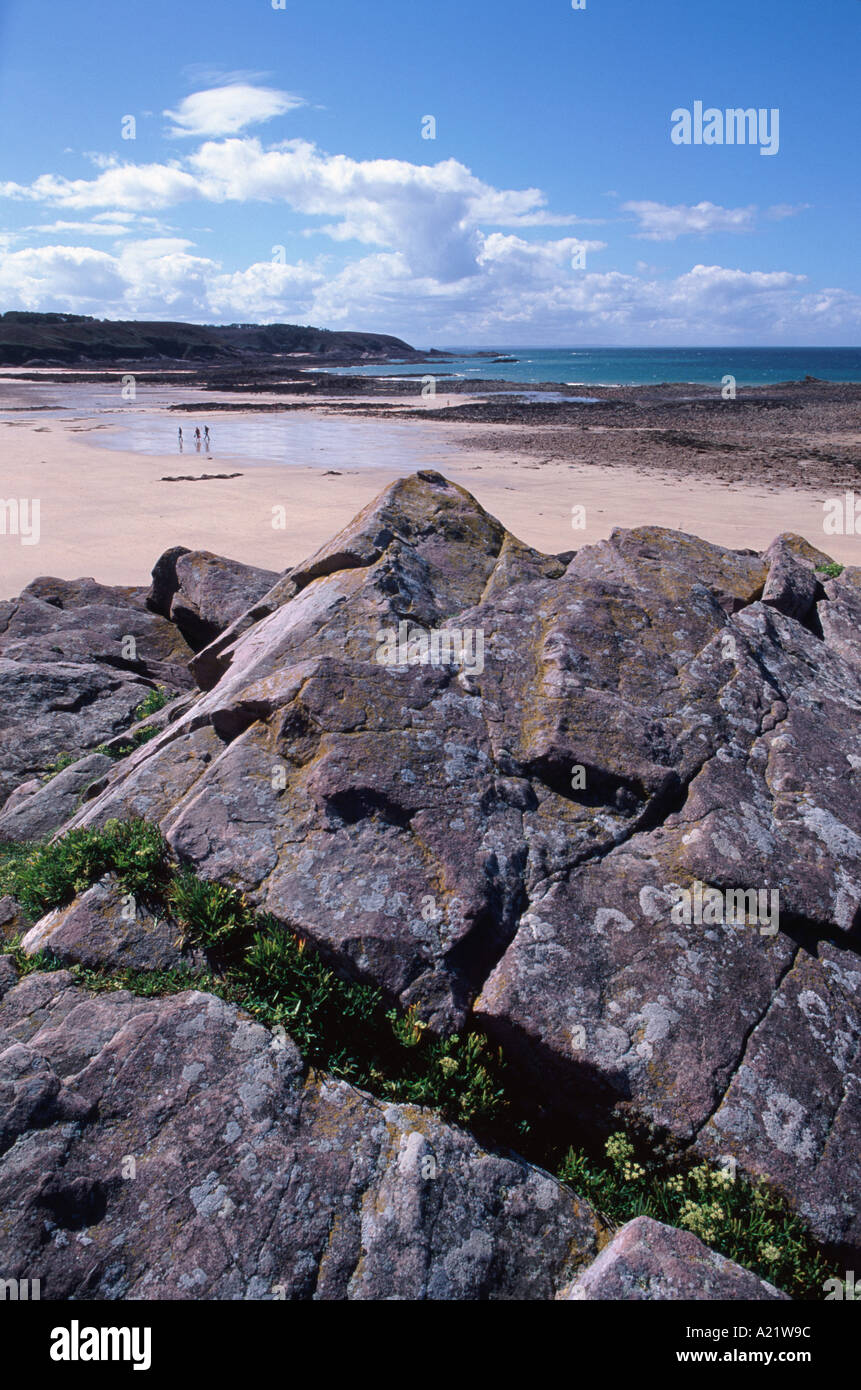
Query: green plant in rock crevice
{"points": [[60, 763], [339, 1024], [153, 702], [743, 1219], [209, 914], [51, 875], [124, 750], [345, 1027]]}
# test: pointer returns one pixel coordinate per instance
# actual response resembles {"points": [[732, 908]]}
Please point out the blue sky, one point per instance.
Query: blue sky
{"points": [[279, 170]]}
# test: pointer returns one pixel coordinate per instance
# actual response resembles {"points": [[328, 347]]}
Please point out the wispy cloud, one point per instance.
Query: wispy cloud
{"points": [[780, 211], [109, 224], [229, 110], [111, 229], [663, 222]]}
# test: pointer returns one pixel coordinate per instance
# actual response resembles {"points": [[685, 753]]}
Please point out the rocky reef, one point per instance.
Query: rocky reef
{"points": [[602, 809]]}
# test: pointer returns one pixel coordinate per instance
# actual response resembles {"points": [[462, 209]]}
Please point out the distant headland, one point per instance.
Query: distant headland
{"points": [[69, 340]]}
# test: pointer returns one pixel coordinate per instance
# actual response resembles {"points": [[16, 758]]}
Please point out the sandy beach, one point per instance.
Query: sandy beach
{"points": [[110, 512]]}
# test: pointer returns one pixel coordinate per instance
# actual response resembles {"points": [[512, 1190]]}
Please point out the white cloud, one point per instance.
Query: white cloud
{"points": [[432, 214], [251, 294], [519, 291], [126, 187], [162, 278], [662, 222], [228, 110], [77, 279], [528, 294], [429, 213]]}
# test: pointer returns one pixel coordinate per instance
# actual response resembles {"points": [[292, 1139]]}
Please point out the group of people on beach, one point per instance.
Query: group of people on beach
{"points": [[198, 438]]}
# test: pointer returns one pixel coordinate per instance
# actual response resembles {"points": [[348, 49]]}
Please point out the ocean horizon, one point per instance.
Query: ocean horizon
{"points": [[578, 366]]}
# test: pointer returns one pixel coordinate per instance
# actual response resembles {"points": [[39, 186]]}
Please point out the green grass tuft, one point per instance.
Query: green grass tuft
{"points": [[209, 914], [50, 875]]}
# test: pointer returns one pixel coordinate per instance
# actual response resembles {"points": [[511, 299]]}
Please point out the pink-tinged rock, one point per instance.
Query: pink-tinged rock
{"points": [[174, 1149], [648, 1260], [203, 593], [107, 927], [503, 845]]}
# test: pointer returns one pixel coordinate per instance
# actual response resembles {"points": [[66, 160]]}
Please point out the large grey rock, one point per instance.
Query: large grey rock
{"points": [[50, 708], [451, 542], [648, 1260], [21, 793], [173, 1149], [840, 615], [39, 814], [203, 593], [512, 842], [76, 659], [792, 1109], [81, 621], [792, 585]]}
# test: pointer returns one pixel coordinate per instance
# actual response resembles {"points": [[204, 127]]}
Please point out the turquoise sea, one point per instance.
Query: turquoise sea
{"points": [[640, 366]]}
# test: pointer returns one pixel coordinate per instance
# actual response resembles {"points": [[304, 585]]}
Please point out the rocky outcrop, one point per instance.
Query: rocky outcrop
{"points": [[606, 806], [793, 586], [36, 808], [174, 1149], [105, 927], [77, 658]]}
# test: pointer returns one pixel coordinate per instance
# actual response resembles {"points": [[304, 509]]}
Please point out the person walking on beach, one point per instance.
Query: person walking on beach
{"points": [[179, 433], [206, 435]]}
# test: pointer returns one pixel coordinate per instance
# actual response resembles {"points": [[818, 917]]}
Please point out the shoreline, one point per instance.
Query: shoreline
{"points": [[110, 513]]}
